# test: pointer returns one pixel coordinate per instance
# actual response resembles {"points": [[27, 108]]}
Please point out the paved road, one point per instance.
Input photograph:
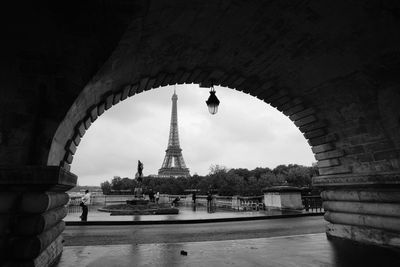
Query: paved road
{"points": [[147, 234]]}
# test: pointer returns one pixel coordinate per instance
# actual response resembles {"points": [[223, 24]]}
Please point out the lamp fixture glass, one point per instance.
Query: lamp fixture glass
{"points": [[212, 102]]}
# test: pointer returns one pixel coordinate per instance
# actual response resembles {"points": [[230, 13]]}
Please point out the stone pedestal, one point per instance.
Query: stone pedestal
{"points": [[363, 208], [235, 202], [32, 201], [283, 197]]}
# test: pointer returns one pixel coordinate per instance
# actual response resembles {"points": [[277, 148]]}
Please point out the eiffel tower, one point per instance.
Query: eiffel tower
{"points": [[173, 164]]}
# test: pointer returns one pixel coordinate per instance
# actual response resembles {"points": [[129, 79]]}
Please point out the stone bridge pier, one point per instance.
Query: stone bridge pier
{"points": [[32, 207], [331, 67], [363, 208]]}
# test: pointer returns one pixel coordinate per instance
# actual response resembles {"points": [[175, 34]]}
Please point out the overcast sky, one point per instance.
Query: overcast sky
{"points": [[245, 133]]}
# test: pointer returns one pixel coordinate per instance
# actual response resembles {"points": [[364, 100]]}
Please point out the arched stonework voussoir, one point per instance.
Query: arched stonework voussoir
{"points": [[93, 112], [308, 121], [314, 129], [304, 116]]}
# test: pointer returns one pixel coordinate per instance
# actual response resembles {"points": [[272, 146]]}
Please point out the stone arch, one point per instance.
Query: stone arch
{"points": [[332, 67], [301, 113], [270, 54]]}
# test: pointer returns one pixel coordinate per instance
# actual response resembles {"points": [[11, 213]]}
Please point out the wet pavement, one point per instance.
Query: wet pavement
{"points": [[80, 235], [295, 250], [185, 213]]}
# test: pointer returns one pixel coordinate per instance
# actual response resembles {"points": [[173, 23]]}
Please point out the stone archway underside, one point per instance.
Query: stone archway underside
{"points": [[286, 58], [304, 117]]}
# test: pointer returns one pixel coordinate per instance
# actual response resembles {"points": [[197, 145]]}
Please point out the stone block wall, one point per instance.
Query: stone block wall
{"points": [[365, 122]]}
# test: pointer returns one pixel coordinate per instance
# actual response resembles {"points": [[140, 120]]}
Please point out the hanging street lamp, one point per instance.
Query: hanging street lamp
{"points": [[212, 102]]}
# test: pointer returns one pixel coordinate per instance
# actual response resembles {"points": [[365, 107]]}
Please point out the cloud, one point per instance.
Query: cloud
{"points": [[245, 133]]}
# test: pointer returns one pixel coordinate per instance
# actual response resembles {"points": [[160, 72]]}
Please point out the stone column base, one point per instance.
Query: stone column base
{"points": [[367, 235], [32, 206], [362, 208]]}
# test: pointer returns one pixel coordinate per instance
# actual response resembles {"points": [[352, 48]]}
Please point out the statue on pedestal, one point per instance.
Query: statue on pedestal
{"points": [[138, 191]]}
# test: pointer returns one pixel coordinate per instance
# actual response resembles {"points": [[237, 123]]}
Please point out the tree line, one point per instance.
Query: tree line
{"points": [[220, 180]]}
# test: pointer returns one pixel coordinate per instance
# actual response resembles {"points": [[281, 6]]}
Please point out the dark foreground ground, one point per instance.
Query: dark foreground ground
{"points": [[274, 242]]}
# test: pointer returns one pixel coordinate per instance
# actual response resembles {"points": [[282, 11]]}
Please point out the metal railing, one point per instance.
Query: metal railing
{"points": [[238, 203], [312, 203], [96, 202], [224, 202], [248, 203]]}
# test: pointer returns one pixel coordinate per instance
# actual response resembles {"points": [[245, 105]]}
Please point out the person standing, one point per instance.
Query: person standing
{"points": [[209, 202], [194, 198], [84, 204], [157, 197], [151, 195]]}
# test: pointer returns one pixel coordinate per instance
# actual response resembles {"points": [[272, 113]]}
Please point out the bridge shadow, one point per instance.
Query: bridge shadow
{"points": [[348, 253]]}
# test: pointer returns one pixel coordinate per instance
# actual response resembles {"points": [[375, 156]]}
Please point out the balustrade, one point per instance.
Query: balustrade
{"points": [[312, 203], [239, 203]]}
